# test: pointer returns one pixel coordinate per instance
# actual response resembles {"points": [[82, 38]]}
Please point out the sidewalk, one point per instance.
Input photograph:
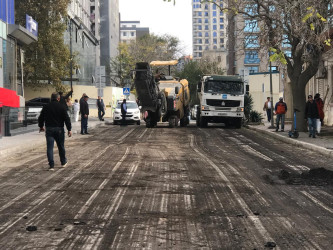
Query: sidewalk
{"points": [[323, 144], [28, 141]]}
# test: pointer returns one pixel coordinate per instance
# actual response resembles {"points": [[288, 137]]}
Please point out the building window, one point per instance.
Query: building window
{"points": [[134, 26], [219, 58], [207, 48], [214, 20], [221, 40], [214, 13], [199, 13], [199, 34], [199, 27], [215, 41], [251, 42], [206, 34], [206, 27], [221, 26], [200, 47], [206, 20], [253, 69], [214, 34], [124, 33], [206, 6], [251, 57], [206, 14], [199, 21], [214, 27], [251, 26], [206, 41], [221, 20], [132, 34], [214, 7]]}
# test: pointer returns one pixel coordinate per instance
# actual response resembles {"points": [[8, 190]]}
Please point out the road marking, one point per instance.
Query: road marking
{"points": [[317, 202], [124, 136], [255, 220], [101, 187], [143, 133], [5, 227], [254, 152], [298, 168]]}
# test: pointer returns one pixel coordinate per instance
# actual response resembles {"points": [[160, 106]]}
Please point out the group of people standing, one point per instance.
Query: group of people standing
{"points": [[314, 112]]}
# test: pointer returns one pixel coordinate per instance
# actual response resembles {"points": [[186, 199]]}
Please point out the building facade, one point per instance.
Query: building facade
{"points": [[131, 30], [208, 26], [110, 37], [12, 37]]}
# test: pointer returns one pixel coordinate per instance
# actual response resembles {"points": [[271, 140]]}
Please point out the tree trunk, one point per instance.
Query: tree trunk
{"points": [[299, 101]]}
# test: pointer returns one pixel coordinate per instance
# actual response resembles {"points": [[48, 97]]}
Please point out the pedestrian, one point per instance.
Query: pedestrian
{"points": [[280, 111], [84, 109], [54, 115], [320, 105], [311, 114], [76, 109], [123, 112], [64, 98], [101, 108], [268, 108], [82, 98], [69, 106]]}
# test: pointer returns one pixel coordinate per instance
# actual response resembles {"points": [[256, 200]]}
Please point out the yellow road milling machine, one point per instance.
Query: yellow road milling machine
{"points": [[161, 96]]}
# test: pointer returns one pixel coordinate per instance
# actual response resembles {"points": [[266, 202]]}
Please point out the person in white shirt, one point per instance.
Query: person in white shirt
{"points": [[268, 108], [76, 109]]}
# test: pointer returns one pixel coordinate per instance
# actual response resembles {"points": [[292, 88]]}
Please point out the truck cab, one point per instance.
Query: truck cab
{"points": [[221, 100]]}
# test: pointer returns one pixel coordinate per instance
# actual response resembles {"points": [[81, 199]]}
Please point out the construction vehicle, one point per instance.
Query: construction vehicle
{"points": [[221, 100], [162, 97]]}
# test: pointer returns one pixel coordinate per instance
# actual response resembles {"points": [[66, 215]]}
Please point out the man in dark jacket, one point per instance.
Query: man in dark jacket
{"points": [[123, 109], [54, 115], [311, 114], [84, 109], [280, 111]]}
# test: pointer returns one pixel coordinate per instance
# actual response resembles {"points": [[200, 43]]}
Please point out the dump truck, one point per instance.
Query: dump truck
{"points": [[221, 100], [161, 96]]}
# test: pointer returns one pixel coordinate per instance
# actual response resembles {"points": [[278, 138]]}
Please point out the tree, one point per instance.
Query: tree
{"points": [[144, 49], [193, 71], [293, 31], [47, 60]]}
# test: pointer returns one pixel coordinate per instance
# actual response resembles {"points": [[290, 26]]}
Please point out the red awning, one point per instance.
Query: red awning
{"points": [[9, 98]]}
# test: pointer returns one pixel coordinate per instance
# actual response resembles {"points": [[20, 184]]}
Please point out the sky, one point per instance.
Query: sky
{"points": [[161, 18]]}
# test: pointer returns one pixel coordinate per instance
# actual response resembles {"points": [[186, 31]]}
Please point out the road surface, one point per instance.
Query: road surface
{"points": [[130, 187]]}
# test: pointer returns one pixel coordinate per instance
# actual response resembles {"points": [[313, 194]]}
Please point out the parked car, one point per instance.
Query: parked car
{"points": [[194, 112], [34, 107], [132, 116]]}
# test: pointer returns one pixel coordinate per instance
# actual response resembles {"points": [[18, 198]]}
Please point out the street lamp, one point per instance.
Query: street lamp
{"points": [[271, 87]]}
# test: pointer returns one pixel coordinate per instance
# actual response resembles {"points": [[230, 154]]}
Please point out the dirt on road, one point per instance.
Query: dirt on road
{"points": [[130, 187]]}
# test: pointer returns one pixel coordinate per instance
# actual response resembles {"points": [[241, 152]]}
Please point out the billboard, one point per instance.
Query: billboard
{"points": [[31, 25]]}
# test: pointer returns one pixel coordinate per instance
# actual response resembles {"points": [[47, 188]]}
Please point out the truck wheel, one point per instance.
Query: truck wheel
{"points": [[238, 123], [172, 122], [203, 122]]}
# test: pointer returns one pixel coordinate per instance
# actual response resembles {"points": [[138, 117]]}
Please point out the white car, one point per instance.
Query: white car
{"points": [[132, 115]]}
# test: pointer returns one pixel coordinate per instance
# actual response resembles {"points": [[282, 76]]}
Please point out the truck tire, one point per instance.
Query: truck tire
{"points": [[172, 122], [238, 122], [197, 121], [203, 122]]}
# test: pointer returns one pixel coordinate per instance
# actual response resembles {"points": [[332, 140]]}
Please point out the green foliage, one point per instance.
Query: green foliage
{"points": [[47, 60], [193, 71], [248, 106], [255, 116]]}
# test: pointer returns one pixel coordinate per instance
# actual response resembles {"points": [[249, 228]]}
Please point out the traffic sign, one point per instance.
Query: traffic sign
{"points": [[126, 91]]}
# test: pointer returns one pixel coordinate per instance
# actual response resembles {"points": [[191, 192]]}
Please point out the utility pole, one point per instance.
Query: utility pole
{"points": [[271, 87]]}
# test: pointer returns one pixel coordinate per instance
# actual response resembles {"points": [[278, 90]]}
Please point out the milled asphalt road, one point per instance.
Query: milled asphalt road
{"points": [[183, 188]]}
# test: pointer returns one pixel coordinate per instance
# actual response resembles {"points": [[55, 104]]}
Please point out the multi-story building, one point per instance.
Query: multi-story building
{"points": [[208, 28], [131, 30], [12, 37], [109, 35], [82, 41]]}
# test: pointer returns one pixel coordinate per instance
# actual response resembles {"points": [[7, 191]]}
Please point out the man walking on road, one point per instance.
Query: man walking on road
{"points": [[54, 115], [280, 111], [84, 109], [311, 114], [123, 108], [101, 108], [268, 108]]}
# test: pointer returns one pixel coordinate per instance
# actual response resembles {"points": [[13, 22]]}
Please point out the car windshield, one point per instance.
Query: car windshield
{"points": [[130, 105], [223, 87]]}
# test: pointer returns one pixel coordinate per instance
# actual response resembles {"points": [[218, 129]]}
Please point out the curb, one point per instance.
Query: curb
{"points": [[318, 149]]}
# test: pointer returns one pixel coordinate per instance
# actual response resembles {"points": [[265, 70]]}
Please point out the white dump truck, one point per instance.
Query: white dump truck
{"points": [[221, 100]]}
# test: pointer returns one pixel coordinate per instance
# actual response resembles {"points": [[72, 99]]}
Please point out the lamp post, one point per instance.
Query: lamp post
{"points": [[271, 87]]}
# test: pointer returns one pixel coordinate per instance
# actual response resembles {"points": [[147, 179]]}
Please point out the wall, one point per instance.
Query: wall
{"points": [[111, 95], [260, 90]]}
